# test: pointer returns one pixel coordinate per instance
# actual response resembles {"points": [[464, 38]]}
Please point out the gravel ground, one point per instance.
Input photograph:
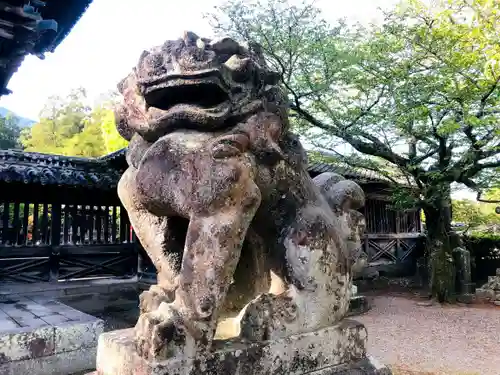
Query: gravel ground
{"points": [[439, 340]]}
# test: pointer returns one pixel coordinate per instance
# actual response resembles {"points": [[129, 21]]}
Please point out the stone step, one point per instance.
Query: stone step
{"points": [[46, 338]]}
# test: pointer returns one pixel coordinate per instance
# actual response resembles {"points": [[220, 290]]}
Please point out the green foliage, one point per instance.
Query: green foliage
{"points": [[475, 214], [420, 92], [9, 133], [494, 237], [104, 114], [68, 126], [485, 252]]}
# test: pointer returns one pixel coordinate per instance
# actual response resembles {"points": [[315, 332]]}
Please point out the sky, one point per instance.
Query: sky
{"points": [[107, 41]]}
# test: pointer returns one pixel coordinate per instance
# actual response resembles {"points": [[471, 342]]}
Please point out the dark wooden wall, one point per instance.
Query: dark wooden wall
{"points": [[54, 233], [393, 239]]}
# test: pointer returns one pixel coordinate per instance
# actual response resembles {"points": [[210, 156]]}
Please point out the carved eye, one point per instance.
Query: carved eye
{"points": [[225, 46], [241, 68]]}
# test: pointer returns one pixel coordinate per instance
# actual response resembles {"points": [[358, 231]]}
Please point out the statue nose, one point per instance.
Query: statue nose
{"points": [[271, 155]]}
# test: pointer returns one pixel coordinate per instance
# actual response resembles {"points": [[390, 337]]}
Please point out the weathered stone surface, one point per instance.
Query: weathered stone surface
{"points": [[19, 344], [61, 346], [354, 290], [214, 171], [466, 298], [59, 364], [74, 336], [463, 278], [491, 290], [368, 366], [482, 293], [328, 348]]}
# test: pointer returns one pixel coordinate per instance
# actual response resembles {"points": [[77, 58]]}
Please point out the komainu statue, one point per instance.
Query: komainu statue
{"points": [[216, 180]]}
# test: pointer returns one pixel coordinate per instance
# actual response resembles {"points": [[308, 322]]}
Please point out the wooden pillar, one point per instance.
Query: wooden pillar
{"points": [[55, 241], [5, 222], [398, 240]]}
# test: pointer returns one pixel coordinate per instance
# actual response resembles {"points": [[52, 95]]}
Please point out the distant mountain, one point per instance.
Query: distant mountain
{"points": [[23, 121]]}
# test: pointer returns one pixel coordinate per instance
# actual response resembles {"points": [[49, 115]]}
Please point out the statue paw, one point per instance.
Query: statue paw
{"points": [[160, 334], [268, 317], [151, 299], [230, 145]]}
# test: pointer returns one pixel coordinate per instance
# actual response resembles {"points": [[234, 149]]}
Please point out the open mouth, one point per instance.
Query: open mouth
{"points": [[200, 94]]}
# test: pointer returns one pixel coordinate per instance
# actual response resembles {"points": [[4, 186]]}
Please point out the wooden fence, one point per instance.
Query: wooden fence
{"points": [[57, 242]]}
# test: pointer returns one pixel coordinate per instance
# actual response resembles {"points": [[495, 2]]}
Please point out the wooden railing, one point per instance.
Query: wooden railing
{"points": [[54, 242], [382, 218]]}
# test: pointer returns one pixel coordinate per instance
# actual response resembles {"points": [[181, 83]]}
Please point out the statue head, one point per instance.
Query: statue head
{"points": [[196, 83]]}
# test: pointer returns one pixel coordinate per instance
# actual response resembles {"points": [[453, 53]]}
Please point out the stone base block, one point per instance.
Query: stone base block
{"points": [[57, 364], [339, 349], [46, 338], [466, 298]]}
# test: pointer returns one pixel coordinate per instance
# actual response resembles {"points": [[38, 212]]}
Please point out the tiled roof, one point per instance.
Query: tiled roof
{"points": [[45, 169], [33, 27], [104, 172], [346, 171]]}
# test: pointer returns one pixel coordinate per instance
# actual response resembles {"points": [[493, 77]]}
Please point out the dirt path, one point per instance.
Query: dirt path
{"points": [[438, 340]]}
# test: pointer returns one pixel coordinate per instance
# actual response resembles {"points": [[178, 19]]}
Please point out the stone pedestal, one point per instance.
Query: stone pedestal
{"points": [[339, 349], [464, 285]]}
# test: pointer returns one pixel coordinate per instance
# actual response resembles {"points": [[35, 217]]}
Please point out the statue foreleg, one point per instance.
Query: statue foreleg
{"points": [[212, 250], [154, 235]]}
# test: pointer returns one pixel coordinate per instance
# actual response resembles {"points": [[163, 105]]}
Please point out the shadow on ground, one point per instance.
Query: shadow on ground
{"points": [[118, 309]]}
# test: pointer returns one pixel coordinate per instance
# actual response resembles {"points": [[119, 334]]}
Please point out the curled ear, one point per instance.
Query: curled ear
{"points": [[326, 180], [340, 193], [347, 195], [226, 45]]}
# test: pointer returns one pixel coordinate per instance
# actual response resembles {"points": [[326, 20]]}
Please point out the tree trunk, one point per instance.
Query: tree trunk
{"points": [[440, 243]]}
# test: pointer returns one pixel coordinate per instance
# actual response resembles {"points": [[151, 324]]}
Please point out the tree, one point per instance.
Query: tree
{"points": [[9, 132], [416, 98], [113, 141], [69, 126], [61, 119], [469, 213]]}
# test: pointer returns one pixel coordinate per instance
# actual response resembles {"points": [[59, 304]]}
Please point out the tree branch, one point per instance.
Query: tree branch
{"points": [[472, 185], [376, 148], [485, 97]]}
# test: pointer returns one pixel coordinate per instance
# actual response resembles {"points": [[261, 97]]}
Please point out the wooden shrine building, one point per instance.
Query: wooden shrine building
{"points": [[33, 27], [61, 219]]}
